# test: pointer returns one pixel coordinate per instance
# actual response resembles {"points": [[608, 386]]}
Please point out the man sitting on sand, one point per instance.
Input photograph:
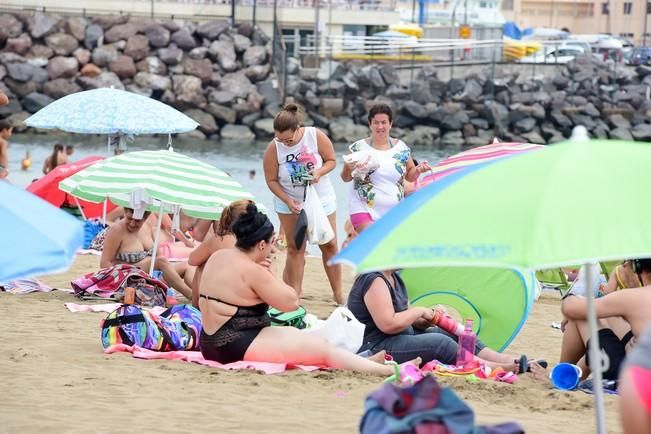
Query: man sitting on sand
{"points": [[128, 242], [622, 316]]}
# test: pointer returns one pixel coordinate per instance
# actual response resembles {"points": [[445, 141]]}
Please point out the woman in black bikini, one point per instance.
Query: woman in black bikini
{"points": [[237, 287]]}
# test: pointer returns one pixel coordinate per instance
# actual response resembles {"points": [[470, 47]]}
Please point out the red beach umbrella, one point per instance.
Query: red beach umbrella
{"points": [[47, 188]]}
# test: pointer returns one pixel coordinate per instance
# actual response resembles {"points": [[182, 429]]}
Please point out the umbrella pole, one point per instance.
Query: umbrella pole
{"points": [[104, 212], [81, 210], [156, 240], [595, 352]]}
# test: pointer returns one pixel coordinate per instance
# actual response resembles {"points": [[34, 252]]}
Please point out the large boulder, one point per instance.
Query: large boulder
{"points": [[20, 88], [621, 134], [241, 133], [241, 43], [109, 79], [76, 27], [157, 35], [223, 51], [62, 67], [237, 83], [121, 32], [40, 51], [342, 129], [20, 71], [184, 39], [211, 30], [422, 135], [137, 47], [619, 121], [257, 72], [188, 90], [94, 33], [61, 43], [123, 67], [201, 68], [104, 55], [171, 55], [90, 70], [264, 128], [35, 101], [153, 65], [207, 124], [41, 24], [221, 97], [60, 87], [224, 115], [642, 132], [19, 45], [82, 55], [254, 55], [11, 25], [152, 81]]}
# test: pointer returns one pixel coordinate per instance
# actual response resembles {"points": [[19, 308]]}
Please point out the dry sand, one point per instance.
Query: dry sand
{"points": [[57, 378]]}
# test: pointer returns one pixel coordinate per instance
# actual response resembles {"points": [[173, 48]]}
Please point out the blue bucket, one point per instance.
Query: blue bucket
{"points": [[566, 376]]}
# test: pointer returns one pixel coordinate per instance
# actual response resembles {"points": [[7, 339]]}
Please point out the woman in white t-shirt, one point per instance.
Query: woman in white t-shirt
{"points": [[297, 156], [379, 181]]}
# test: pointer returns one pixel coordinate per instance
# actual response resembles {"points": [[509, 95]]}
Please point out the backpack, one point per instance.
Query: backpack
{"points": [[295, 318], [176, 329]]}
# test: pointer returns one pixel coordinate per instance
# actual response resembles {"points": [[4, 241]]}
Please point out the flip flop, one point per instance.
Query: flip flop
{"points": [[524, 364], [506, 377]]}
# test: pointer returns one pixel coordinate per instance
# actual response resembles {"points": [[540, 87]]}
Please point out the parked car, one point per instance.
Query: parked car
{"points": [[639, 56], [561, 54]]}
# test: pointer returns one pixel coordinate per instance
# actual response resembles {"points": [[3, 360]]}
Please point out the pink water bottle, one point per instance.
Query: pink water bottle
{"points": [[466, 345], [446, 322]]}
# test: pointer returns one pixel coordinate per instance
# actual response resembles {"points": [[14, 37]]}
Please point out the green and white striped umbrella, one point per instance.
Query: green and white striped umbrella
{"points": [[155, 178]]}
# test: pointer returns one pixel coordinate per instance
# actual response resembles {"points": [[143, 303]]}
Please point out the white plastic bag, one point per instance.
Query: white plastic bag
{"points": [[341, 329], [365, 162], [319, 230]]}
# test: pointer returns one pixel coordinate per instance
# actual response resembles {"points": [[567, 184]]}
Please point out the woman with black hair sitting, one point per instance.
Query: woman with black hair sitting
{"points": [[237, 287]]}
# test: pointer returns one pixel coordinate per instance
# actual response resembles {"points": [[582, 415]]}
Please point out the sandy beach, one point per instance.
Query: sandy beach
{"points": [[57, 378]]}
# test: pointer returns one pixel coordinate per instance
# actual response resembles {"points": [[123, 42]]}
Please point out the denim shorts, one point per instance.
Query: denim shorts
{"points": [[281, 207]]}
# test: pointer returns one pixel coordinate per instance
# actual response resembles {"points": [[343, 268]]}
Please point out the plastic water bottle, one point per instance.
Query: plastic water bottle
{"points": [[466, 345], [446, 322]]}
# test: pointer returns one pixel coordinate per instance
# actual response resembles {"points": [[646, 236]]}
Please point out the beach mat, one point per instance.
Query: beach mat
{"points": [[196, 357], [105, 307]]}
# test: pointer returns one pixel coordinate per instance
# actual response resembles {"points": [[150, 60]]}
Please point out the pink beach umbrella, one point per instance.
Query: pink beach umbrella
{"points": [[472, 157]]}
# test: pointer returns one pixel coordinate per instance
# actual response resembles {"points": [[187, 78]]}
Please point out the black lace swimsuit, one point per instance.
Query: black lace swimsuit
{"points": [[230, 342]]}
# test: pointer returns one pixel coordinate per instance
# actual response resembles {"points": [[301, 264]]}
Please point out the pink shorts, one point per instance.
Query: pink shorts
{"points": [[642, 381], [360, 219]]}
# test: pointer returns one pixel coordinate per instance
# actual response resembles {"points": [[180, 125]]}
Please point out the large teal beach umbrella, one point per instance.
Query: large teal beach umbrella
{"points": [[506, 214]]}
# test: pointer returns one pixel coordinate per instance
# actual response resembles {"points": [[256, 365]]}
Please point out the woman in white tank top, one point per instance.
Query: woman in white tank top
{"points": [[298, 155], [381, 187]]}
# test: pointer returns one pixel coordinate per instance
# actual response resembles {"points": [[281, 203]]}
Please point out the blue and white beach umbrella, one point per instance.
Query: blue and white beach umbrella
{"points": [[37, 237], [111, 111]]}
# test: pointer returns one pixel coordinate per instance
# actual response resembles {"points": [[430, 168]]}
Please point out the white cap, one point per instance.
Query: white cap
{"points": [[580, 133]]}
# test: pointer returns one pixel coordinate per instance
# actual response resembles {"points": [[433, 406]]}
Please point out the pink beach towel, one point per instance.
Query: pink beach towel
{"points": [[196, 357]]}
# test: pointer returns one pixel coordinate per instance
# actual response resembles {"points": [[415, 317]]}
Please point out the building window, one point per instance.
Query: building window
{"points": [[648, 8], [507, 5], [605, 8], [628, 7]]}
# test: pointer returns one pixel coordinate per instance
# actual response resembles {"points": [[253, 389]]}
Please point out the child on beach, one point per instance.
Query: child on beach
{"points": [[5, 132]]}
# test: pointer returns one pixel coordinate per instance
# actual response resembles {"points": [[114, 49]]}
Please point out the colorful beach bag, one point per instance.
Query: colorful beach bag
{"points": [[176, 329]]}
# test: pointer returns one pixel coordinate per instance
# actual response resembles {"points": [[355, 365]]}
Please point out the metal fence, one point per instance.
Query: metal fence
{"points": [[279, 59], [450, 58]]}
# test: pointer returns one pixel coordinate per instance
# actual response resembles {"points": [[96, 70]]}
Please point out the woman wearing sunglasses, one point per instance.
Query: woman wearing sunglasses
{"points": [[296, 157]]}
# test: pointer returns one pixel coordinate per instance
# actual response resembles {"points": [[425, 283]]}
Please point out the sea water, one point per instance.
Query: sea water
{"points": [[236, 159]]}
